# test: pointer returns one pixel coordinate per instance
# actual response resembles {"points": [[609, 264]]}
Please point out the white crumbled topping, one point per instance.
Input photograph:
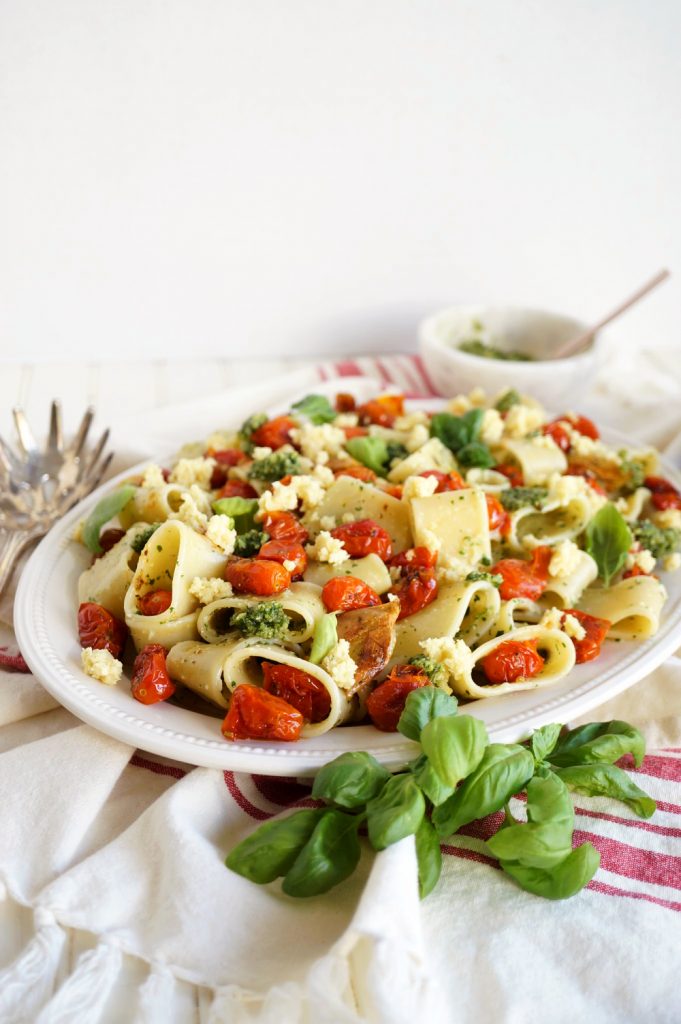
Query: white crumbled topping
{"points": [[455, 655], [208, 589], [417, 437], [193, 471], [477, 396], [552, 619], [431, 541], [101, 665], [459, 405], [411, 420], [587, 448], [641, 559], [153, 476], [419, 487], [668, 518], [564, 489], [261, 452], [289, 565], [221, 532], [565, 559], [328, 522], [348, 517], [327, 549], [545, 441], [281, 498], [395, 573], [672, 562], [190, 514], [340, 665], [346, 419], [324, 475], [308, 489], [318, 442], [451, 567], [492, 427], [220, 440], [522, 419], [573, 627]]}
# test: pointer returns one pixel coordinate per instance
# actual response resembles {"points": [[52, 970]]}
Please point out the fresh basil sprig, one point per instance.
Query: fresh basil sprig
{"points": [[106, 508], [372, 452], [461, 435], [316, 408], [608, 538]]}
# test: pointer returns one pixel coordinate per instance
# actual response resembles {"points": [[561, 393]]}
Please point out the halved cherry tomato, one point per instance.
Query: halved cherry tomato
{"points": [[299, 689], [237, 489], [383, 410], [524, 579], [446, 481], [394, 490], [558, 433], [345, 593], [355, 432], [589, 647], [155, 602], [497, 515], [285, 551], [150, 680], [512, 661], [636, 570], [345, 402], [109, 538], [665, 495], [226, 456], [99, 629], [414, 558], [386, 703], [511, 472], [415, 591], [365, 537], [284, 526], [359, 472], [274, 433], [257, 576], [583, 425], [582, 469], [255, 714]]}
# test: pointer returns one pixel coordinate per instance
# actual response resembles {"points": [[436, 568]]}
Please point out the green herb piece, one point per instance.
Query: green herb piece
{"points": [[372, 452], [324, 638], [430, 783], [275, 466], [105, 509], [508, 400], [240, 510], [140, 539], [559, 882], [660, 541], [423, 705], [608, 539], [607, 780], [266, 619], [634, 470], [436, 672], [475, 347], [503, 771], [454, 746], [456, 431], [396, 450], [316, 408], [248, 428], [495, 578], [249, 543], [428, 857], [513, 498], [546, 838], [397, 812], [350, 780], [271, 850], [602, 742], [330, 855], [544, 740], [476, 454]]}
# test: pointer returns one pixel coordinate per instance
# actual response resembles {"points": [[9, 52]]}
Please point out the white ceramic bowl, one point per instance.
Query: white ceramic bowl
{"points": [[532, 331]]}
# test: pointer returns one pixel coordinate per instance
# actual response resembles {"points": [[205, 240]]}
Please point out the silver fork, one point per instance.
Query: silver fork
{"points": [[38, 487]]}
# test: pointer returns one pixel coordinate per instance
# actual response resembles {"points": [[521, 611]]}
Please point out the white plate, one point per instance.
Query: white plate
{"points": [[45, 623]]}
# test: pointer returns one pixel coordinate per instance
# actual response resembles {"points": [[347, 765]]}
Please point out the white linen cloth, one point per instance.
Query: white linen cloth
{"points": [[115, 904]]}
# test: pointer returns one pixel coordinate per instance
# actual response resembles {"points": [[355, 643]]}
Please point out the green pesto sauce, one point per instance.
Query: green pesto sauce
{"points": [[475, 347]]}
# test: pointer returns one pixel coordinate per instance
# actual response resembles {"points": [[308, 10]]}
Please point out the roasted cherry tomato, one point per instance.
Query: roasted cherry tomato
{"points": [[345, 593], [284, 551], [583, 425], [558, 433], [299, 689], [109, 538], [596, 631], [355, 432], [150, 680], [365, 537], [345, 402], [382, 411], [99, 629], [394, 490], [512, 473], [255, 714], [446, 481], [237, 489], [576, 468], [226, 456], [274, 433], [414, 558], [636, 570], [257, 576], [665, 495], [359, 472], [386, 703], [284, 526], [512, 661], [415, 591], [497, 515], [524, 579], [658, 484], [155, 602]]}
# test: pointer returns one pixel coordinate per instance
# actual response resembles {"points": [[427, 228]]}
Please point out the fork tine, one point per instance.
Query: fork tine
{"points": [[102, 470], [6, 456], [26, 439], [95, 456], [55, 439], [76, 445]]}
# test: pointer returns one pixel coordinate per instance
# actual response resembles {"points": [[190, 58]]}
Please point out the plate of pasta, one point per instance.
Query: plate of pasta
{"points": [[268, 597]]}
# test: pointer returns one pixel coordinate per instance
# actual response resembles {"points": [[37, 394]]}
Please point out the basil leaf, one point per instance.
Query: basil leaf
{"points": [[428, 857], [430, 783], [507, 400], [370, 451], [397, 812], [241, 510], [456, 431], [546, 838], [422, 706], [331, 854], [476, 454], [503, 771], [608, 538], [602, 742], [607, 780], [563, 880], [544, 740], [454, 746], [316, 408], [272, 849], [324, 638], [350, 780], [105, 509]]}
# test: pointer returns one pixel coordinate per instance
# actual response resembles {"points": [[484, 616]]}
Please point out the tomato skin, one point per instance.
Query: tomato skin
{"points": [[446, 481], [522, 578], [359, 472], [394, 490], [382, 411], [150, 680], [351, 432], [583, 425], [511, 472], [156, 602], [226, 456], [255, 714], [345, 402], [299, 689], [636, 570], [386, 703], [498, 517], [659, 485], [576, 468], [512, 661], [415, 591], [237, 489], [109, 538], [285, 526], [345, 593], [558, 433], [99, 629], [259, 576], [596, 632], [365, 537], [667, 499], [414, 558], [274, 433], [284, 551]]}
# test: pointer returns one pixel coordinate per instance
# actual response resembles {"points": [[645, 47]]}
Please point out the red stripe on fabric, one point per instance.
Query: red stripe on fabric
{"points": [[348, 368], [258, 813], [612, 890], [662, 805], [385, 377], [13, 662], [668, 768], [280, 791], [463, 854], [645, 826], [484, 828], [322, 371], [137, 761], [420, 366], [632, 862], [411, 373]]}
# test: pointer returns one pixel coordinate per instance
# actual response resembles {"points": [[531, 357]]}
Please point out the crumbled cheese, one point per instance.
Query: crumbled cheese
{"points": [[340, 665], [153, 476], [641, 559], [477, 396], [318, 443], [522, 419], [190, 514], [455, 655], [492, 427], [346, 419], [289, 564], [552, 619], [564, 489], [193, 471], [285, 497], [395, 573], [587, 448], [324, 475], [221, 532], [348, 517], [672, 562], [411, 420], [668, 518], [261, 453], [419, 487], [545, 441], [565, 559], [459, 405], [206, 589], [101, 665], [220, 441], [573, 627], [281, 498], [327, 522], [417, 437], [327, 549]]}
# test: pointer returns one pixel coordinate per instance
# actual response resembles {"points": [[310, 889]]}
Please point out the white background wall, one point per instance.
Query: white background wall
{"points": [[215, 177]]}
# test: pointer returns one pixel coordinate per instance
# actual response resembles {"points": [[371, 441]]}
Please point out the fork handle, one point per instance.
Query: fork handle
{"points": [[12, 543]]}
